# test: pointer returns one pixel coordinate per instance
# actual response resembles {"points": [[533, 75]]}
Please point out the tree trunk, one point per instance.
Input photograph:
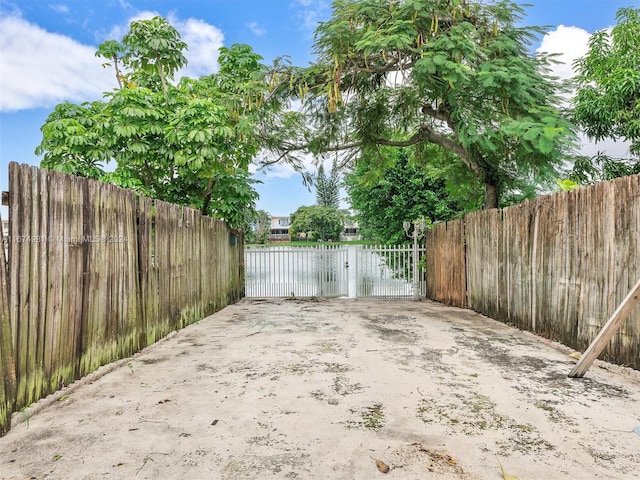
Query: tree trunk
{"points": [[485, 171], [491, 196], [206, 200]]}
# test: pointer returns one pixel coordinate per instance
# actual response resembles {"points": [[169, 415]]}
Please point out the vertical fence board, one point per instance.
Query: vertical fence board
{"points": [[164, 274], [162, 268], [76, 269], [7, 364], [57, 249], [146, 257], [88, 284], [21, 263], [206, 264], [36, 328], [96, 291], [132, 313], [42, 203], [68, 237]]}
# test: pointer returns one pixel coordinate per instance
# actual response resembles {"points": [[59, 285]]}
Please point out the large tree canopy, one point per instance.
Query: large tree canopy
{"points": [[189, 143], [607, 101], [406, 189], [455, 73]]}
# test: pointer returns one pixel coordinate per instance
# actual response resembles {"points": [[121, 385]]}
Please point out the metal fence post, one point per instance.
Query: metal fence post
{"points": [[352, 271]]}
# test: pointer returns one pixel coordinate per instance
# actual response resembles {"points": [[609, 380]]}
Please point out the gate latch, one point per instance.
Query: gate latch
{"points": [[346, 264]]}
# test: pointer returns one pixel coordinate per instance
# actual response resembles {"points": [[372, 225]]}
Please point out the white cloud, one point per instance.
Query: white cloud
{"points": [[118, 31], [204, 41], [311, 12], [40, 69], [256, 29], [282, 169], [124, 4], [278, 170], [59, 8], [307, 164], [569, 43], [612, 148]]}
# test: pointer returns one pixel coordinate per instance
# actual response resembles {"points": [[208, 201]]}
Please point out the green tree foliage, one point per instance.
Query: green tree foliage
{"points": [[328, 188], [454, 73], [317, 223], [188, 143], [153, 50], [607, 101], [602, 168], [404, 191], [259, 228]]}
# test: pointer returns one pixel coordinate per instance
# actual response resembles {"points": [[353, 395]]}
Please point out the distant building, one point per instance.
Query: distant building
{"points": [[279, 231], [350, 232]]}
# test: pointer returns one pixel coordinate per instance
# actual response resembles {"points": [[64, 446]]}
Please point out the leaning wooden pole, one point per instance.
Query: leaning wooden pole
{"points": [[603, 337]]}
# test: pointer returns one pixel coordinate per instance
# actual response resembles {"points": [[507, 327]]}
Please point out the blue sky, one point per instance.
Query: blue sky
{"points": [[47, 56]]}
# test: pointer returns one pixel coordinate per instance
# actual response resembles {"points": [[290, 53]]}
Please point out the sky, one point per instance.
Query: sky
{"points": [[47, 56]]}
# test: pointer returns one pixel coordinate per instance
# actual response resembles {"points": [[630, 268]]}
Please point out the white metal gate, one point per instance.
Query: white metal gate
{"points": [[334, 271]]}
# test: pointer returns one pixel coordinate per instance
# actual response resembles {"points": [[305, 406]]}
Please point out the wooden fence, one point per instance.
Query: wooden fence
{"points": [[558, 265], [445, 264], [95, 274]]}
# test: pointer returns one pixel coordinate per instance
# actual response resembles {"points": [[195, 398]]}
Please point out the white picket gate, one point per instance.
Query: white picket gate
{"points": [[334, 271]]}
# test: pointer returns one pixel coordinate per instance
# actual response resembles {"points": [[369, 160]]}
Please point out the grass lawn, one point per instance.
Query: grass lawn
{"points": [[309, 244]]}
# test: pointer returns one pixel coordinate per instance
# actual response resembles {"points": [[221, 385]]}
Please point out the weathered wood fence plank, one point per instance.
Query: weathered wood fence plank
{"points": [[7, 359], [148, 306]]}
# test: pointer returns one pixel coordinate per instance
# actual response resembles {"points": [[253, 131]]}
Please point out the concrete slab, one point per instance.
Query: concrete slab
{"points": [[319, 389]]}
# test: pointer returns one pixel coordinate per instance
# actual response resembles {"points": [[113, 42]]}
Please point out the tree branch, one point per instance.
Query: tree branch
{"points": [[150, 178], [437, 114], [165, 89], [206, 199], [425, 134], [119, 76], [458, 149]]}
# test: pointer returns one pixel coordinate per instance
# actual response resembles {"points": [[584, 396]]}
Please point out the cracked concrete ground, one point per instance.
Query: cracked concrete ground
{"points": [[319, 389]]}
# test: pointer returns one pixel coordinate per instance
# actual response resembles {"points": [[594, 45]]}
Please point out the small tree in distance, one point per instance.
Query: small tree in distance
{"points": [[317, 223], [328, 188], [259, 228]]}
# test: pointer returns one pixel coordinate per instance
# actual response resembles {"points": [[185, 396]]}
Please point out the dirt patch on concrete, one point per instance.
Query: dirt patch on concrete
{"points": [[316, 389]]}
